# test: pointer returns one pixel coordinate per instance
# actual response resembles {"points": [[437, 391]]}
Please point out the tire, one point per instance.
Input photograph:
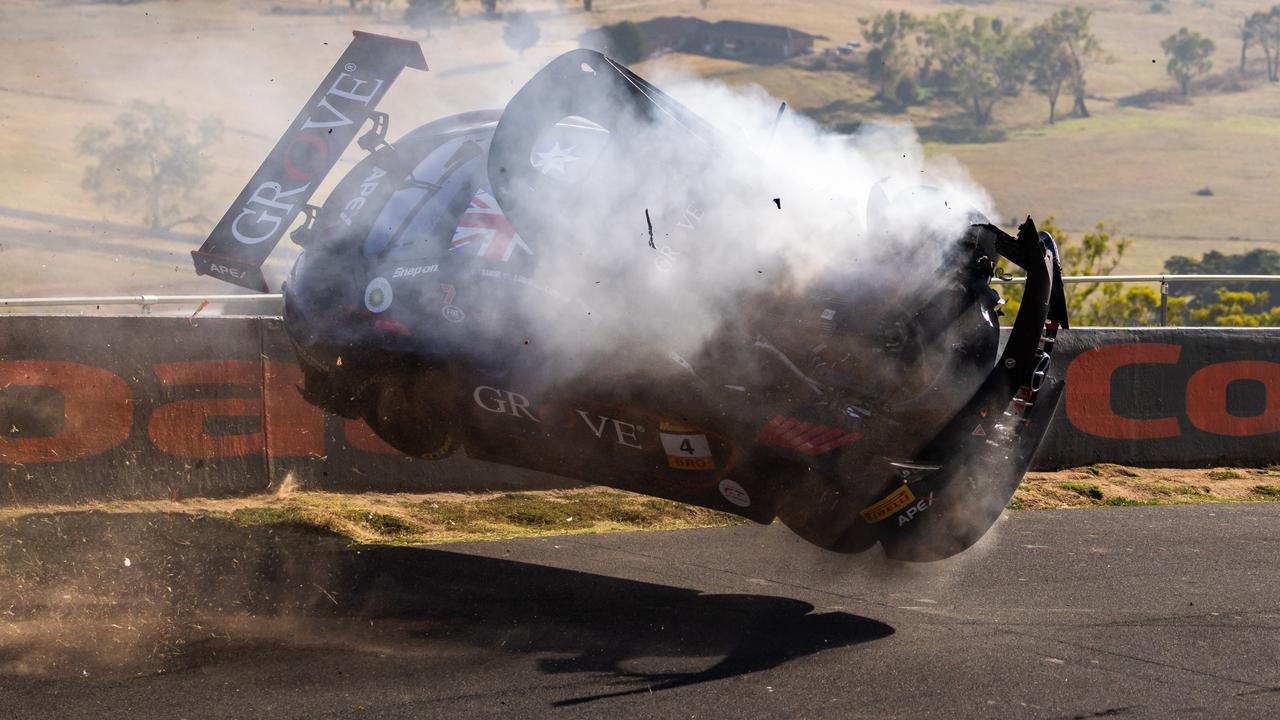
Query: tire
{"points": [[814, 508], [414, 412]]}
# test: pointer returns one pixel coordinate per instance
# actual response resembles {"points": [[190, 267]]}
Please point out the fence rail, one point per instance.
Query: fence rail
{"points": [[145, 302], [1164, 281], [1147, 278]]}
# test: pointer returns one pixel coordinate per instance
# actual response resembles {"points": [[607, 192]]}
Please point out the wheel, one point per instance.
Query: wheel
{"points": [[414, 412], [813, 507]]}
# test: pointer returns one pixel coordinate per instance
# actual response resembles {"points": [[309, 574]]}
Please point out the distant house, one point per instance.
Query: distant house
{"points": [[726, 38]]}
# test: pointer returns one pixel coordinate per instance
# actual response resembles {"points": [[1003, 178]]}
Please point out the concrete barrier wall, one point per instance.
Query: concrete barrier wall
{"points": [[158, 407], [143, 407], [1167, 397]]}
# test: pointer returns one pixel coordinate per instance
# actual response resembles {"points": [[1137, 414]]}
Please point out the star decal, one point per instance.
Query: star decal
{"points": [[554, 160]]}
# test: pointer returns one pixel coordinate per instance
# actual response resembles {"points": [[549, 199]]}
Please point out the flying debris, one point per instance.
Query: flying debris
{"points": [[449, 293]]}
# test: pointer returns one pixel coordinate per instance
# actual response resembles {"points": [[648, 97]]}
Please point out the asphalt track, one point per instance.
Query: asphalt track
{"points": [[1128, 612]]}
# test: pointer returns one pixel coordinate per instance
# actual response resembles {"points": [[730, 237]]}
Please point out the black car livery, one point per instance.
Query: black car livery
{"points": [[854, 415]]}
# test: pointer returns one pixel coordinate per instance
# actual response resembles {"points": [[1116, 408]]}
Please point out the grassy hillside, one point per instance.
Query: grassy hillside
{"points": [[72, 64], [1136, 167]]}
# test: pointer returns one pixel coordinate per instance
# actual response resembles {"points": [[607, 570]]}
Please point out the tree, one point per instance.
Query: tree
{"points": [[429, 13], [1188, 53], [886, 35], [1071, 26], [1051, 65], [1254, 262], [150, 159], [1248, 36], [520, 32], [1238, 308], [1240, 304], [1097, 253], [906, 92], [623, 42], [1270, 29], [1264, 31], [982, 59], [1132, 306]]}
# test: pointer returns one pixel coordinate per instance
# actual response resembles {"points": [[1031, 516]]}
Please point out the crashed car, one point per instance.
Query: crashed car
{"points": [[853, 412]]}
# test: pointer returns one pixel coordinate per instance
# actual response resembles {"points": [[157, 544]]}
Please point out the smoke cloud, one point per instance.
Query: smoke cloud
{"points": [[658, 237]]}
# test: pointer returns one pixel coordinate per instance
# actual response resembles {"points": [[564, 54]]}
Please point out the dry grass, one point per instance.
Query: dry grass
{"points": [[410, 519], [1106, 484], [70, 64], [431, 519], [1136, 168]]}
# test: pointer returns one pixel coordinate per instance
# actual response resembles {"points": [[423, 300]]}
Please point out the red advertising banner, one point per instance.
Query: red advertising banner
{"points": [[151, 407], [1171, 397], [157, 407]]}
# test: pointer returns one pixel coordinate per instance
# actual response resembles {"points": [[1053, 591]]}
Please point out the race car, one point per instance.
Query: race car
{"points": [[467, 289]]}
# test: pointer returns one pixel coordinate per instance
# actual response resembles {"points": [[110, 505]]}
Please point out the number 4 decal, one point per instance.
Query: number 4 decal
{"points": [[687, 450]]}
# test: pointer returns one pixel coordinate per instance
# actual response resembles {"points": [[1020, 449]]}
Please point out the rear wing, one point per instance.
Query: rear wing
{"points": [[280, 189]]}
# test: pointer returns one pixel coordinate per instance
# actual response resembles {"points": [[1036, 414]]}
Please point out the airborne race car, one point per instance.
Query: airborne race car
{"points": [[853, 413]]}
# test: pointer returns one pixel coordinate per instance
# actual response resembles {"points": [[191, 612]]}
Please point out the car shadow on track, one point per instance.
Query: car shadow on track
{"points": [[185, 572], [640, 635]]}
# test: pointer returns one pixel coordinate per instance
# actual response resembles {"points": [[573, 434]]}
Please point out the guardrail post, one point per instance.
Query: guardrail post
{"points": [[1164, 302]]}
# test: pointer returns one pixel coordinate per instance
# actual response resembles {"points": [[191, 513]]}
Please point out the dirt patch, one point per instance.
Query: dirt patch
{"points": [[124, 589], [1106, 484], [129, 588]]}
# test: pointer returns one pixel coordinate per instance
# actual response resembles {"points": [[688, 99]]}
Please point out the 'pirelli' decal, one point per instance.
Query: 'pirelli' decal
{"points": [[888, 506]]}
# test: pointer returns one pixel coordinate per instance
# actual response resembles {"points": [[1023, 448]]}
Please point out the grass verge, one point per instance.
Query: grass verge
{"points": [[416, 519], [412, 519], [1109, 485]]}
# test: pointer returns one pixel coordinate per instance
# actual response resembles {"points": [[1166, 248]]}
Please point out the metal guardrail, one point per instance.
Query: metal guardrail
{"points": [[1148, 278], [1164, 281], [145, 302]]}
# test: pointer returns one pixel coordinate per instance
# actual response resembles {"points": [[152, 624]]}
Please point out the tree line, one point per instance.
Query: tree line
{"points": [[155, 160], [1261, 30], [1110, 304], [977, 61]]}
